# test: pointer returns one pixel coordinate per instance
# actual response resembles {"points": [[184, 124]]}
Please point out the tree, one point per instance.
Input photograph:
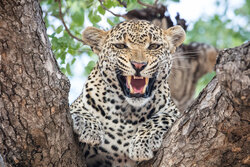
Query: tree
{"points": [[214, 130], [35, 126]]}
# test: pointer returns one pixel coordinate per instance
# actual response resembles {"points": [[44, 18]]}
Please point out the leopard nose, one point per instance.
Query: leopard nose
{"points": [[138, 66]]}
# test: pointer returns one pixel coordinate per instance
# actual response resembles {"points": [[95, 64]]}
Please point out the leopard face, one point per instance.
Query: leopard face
{"points": [[134, 56]]}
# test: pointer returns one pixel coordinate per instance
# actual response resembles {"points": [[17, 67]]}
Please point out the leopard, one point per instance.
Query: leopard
{"points": [[125, 107]]}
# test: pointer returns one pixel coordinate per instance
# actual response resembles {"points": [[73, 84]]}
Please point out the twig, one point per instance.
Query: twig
{"points": [[64, 24], [156, 1], [144, 4], [122, 3], [117, 15]]}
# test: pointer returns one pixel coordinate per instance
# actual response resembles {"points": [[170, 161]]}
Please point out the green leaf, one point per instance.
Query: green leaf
{"points": [[93, 17], [72, 51], [73, 61], [59, 29], [62, 56], [108, 3], [203, 81], [52, 35], [101, 10], [63, 70], [68, 69], [78, 17], [91, 64], [132, 4], [89, 67], [110, 22]]}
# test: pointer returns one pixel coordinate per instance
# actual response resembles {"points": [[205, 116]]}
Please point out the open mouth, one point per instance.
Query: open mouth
{"points": [[134, 86]]}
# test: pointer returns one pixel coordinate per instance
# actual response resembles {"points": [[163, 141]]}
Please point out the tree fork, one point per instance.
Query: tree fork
{"points": [[35, 125]]}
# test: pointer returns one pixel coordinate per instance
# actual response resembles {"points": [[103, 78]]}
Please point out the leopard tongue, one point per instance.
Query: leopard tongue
{"points": [[137, 85]]}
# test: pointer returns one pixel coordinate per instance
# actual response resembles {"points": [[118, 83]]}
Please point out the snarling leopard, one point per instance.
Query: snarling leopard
{"points": [[125, 108]]}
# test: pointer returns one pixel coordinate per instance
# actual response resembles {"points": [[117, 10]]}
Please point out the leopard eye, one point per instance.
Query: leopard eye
{"points": [[153, 46], [120, 46]]}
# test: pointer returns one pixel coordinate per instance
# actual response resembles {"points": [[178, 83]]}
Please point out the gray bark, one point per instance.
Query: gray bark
{"points": [[215, 129], [35, 125]]}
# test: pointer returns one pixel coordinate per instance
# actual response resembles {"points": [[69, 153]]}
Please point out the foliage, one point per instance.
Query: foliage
{"points": [[75, 14], [65, 48], [203, 81], [218, 30], [221, 32]]}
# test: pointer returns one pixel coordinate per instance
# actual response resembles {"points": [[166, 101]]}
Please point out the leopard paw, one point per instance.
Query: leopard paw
{"points": [[155, 142], [139, 149], [89, 131]]}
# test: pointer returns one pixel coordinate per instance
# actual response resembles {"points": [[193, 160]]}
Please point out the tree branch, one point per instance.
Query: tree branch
{"points": [[214, 130], [156, 1], [117, 15], [144, 4], [64, 24], [122, 3]]}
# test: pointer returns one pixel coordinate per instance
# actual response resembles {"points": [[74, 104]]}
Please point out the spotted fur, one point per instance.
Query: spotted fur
{"points": [[116, 130]]}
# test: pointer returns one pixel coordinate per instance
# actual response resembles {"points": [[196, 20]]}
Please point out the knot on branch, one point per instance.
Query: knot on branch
{"points": [[157, 14]]}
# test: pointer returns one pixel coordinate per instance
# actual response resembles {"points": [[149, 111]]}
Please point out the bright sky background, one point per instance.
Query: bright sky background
{"points": [[190, 10]]}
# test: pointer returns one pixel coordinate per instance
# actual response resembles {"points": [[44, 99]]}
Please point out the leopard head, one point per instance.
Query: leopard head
{"points": [[134, 55]]}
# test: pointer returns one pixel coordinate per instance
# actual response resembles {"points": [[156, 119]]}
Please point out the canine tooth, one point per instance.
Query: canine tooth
{"points": [[131, 89], [146, 84], [129, 80], [146, 81], [129, 84]]}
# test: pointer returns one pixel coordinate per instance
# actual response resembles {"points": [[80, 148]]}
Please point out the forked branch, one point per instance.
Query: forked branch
{"points": [[147, 5], [117, 15], [122, 3], [64, 24]]}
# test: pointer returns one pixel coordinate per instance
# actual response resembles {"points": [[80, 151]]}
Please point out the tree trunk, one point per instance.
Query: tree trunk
{"points": [[35, 125], [214, 130]]}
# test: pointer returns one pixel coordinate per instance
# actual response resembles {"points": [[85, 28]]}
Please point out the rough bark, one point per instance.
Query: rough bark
{"points": [[215, 129], [35, 125]]}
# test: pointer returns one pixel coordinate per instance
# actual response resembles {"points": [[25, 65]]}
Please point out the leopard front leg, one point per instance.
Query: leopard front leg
{"points": [[149, 137], [88, 128]]}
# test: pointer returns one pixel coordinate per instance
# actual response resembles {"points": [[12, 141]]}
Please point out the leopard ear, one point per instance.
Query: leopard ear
{"points": [[175, 36], [94, 38]]}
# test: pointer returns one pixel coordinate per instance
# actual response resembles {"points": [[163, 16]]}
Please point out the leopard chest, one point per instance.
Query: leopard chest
{"points": [[118, 132]]}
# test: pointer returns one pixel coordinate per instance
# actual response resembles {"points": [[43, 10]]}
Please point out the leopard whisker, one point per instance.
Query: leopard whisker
{"points": [[180, 67]]}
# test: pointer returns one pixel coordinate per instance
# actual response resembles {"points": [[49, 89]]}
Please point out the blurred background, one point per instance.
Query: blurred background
{"points": [[220, 23]]}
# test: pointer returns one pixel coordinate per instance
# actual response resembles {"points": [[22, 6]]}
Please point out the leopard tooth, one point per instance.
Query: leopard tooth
{"points": [[146, 84], [131, 89], [129, 80], [136, 77], [129, 84]]}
